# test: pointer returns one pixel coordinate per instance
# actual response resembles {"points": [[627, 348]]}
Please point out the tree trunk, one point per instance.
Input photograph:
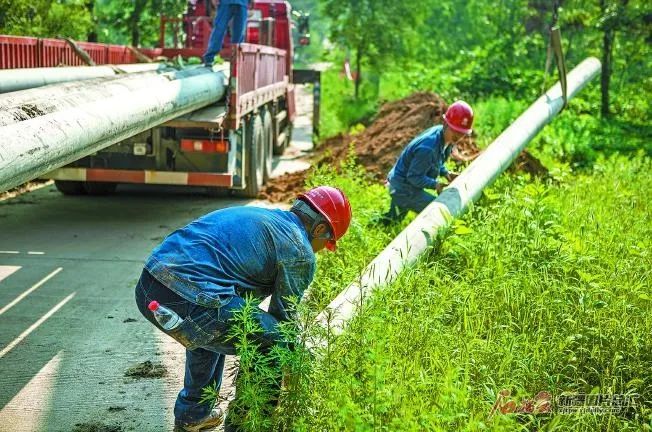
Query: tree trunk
{"points": [[608, 38], [92, 33], [605, 78], [134, 22], [358, 72]]}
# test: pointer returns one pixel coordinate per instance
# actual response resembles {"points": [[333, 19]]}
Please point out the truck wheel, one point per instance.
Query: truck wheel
{"points": [[68, 187], [254, 157], [99, 188], [268, 144]]}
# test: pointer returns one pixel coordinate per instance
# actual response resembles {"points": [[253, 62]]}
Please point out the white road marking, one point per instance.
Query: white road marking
{"points": [[9, 252], [34, 326], [35, 253], [26, 293], [6, 271], [27, 410]]}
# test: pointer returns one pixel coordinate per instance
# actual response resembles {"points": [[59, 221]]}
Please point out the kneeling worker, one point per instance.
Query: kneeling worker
{"points": [[422, 161], [203, 271]]}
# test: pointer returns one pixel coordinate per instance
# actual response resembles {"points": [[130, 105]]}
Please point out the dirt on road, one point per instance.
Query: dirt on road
{"points": [[379, 144]]}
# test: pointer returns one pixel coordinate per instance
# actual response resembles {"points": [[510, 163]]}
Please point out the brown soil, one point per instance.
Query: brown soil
{"points": [[147, 369], [378, 146], [24, 188], [96, 427]]}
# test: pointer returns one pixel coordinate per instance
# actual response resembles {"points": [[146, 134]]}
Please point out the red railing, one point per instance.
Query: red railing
{"points": [[258, 66], [26, 52], [261, 76]]}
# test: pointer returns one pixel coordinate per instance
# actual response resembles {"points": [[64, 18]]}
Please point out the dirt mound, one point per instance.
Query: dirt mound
{"points": [[147, 369], [379, 144]]}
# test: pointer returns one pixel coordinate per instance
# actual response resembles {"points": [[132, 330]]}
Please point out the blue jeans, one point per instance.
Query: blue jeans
{"points": [[226, 12], [406, 198], [204, 333]]}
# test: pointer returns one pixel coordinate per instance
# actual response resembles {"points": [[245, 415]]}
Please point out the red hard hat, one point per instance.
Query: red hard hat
{"points": [[333, 205], [459, 117]]}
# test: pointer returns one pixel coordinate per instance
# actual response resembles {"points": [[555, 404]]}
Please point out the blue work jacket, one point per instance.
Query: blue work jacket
{"points": [[421, 161], [244, 3], [235, 251]]}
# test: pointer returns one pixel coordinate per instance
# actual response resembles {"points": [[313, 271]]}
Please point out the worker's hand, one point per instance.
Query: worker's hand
{"points": [[451, 176], [439, 188]]}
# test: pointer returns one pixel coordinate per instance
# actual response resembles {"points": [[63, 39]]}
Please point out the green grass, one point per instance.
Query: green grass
{"points": [[549, 289], [542, 286]]}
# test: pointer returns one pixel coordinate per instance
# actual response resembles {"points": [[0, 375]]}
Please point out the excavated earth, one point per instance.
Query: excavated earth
{"points": [[379, 144]]}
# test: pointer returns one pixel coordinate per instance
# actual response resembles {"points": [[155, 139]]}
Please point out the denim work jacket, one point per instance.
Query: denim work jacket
{"points": [[235, 251], [244, 3], [421, 161]]}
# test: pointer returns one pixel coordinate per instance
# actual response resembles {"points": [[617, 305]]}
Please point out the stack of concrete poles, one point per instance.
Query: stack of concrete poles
{"points": [[20, 79], [43, 129]]}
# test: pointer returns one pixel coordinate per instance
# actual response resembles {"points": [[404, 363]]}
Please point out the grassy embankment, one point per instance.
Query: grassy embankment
{"points": [[542, 286]]}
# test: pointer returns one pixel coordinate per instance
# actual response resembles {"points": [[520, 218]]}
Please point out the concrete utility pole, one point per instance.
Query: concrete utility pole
{"points": [[27, 104], [406, 248], [20, 79], [72, 130]]}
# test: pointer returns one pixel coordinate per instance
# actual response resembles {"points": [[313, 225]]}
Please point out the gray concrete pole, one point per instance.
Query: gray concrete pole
{"points": [[33, 147], [27, 104], [406, 248], [20, 79]]}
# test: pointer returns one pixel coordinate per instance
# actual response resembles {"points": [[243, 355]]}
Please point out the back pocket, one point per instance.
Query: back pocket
{"points": [[193, 334]]}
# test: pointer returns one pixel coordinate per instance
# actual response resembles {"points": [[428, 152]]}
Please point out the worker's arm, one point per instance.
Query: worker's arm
{"points": [[417, 174], [292, 279], [443, 171]]}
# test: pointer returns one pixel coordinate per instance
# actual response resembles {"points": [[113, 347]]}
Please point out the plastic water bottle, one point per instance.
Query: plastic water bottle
{"points": [[167, 318]]}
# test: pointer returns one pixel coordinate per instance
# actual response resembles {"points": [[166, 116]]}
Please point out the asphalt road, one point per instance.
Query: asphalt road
{"points": [[69, 326]]}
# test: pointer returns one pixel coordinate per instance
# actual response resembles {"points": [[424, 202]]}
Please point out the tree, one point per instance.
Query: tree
{"points": [[379, 31], [134, 22], [45, 18]]}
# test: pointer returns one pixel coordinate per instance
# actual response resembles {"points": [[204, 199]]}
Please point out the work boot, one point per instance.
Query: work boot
{"points": [[214, 419]]}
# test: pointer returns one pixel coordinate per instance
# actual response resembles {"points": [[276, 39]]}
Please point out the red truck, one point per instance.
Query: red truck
{"points": [[227, 145]]}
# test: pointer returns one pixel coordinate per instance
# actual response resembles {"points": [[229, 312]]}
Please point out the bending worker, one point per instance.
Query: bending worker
{"points": [[227, 11], [422, 161], [203, 270]]}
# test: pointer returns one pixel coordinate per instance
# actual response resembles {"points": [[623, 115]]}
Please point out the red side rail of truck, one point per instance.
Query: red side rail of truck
{"points": [[27, 52]]}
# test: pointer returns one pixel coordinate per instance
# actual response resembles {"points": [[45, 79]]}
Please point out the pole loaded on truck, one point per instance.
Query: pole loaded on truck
{"points": [[226, 144]]}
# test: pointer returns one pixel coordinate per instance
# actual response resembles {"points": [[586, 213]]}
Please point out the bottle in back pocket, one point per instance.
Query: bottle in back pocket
{"points": [[166, 317]]}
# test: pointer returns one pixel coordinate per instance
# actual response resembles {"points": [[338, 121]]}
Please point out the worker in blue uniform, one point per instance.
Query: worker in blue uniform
{"points": [[227, 11], [422, 161], [204, 270]]}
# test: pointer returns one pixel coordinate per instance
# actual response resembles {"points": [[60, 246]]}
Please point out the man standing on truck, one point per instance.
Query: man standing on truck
{"points": [[422, 161], [227, 11], [203, 271]]}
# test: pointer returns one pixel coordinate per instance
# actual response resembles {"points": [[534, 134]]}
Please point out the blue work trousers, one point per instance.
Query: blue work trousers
{"points": [[406, 198], [226, 13], [204, 333]]}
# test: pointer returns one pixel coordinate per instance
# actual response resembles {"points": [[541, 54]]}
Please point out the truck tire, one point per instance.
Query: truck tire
{"points": [[268, 144], [99, 188], [254, 157], [68, 187]]}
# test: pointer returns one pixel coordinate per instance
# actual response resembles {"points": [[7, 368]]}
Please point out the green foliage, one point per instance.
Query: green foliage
{"points": [[527, 293], [45, 18], [120, 21]]}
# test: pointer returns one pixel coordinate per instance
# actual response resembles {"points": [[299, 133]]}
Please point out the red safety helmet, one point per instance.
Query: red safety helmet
{"points": [[459, 117], [333, 205]]}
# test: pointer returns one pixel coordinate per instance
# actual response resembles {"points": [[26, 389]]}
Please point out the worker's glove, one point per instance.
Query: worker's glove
{"points": [[439, 188], [451, 176]]}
